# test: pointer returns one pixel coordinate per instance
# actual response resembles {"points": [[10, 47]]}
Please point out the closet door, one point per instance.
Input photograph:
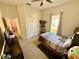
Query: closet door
{"points": [[33, 25]]}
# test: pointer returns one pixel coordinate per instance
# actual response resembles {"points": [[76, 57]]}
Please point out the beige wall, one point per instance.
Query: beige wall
{"points": [[22, 22], [9, 11], [70, 16], [27, 16], [29, 20], [32, 17]]}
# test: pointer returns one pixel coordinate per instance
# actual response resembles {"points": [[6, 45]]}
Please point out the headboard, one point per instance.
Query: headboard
{"points": [[76, 29], [75, 41]]}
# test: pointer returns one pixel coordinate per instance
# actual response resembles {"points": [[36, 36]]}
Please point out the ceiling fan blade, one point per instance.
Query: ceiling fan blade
{"points": [[35, 0], [28, 4], [41, 4], [49, 1]]}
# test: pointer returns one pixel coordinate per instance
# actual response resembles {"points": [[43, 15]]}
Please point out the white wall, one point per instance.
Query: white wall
{"points": [[70, 16], [29, 20]]}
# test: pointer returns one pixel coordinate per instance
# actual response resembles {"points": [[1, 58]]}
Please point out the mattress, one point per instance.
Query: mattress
{"points": [[53, 38]]}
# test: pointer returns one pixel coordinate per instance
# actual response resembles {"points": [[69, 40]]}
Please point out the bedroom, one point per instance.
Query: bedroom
{"points": [[28, 17]]}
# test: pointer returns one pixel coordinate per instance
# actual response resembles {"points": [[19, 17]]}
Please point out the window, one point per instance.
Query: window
{"points": [[55, 19]]}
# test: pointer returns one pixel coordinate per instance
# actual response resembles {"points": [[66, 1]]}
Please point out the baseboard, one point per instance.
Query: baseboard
{"points": [[34, 37]]}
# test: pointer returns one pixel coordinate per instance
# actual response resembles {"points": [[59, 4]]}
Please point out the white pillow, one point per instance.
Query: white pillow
{"points": [[67, 43]]}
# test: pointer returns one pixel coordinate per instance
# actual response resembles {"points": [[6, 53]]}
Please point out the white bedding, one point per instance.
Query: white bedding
{"points": [[53, 38]]}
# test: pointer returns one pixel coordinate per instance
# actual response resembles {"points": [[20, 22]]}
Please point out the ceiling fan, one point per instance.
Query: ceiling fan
{"points": [[42, 1]]}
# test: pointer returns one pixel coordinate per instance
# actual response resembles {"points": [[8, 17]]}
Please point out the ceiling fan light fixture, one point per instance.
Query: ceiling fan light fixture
{"points": [[42, 1], [49, 1], [34, 0]]}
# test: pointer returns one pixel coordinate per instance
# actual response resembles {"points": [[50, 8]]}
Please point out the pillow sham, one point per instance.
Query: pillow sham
{"points": [[75, 41], [67, 43]]}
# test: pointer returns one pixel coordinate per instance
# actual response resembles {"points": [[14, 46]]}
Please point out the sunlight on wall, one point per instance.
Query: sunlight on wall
{"points": [[1, 23], [13, 23]]}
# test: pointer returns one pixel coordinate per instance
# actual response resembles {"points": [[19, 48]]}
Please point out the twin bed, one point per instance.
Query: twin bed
{"points": [[56, 42]]}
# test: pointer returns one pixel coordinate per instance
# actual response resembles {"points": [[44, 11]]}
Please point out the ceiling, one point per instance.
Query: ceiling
{"points": [[35, 4]]}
